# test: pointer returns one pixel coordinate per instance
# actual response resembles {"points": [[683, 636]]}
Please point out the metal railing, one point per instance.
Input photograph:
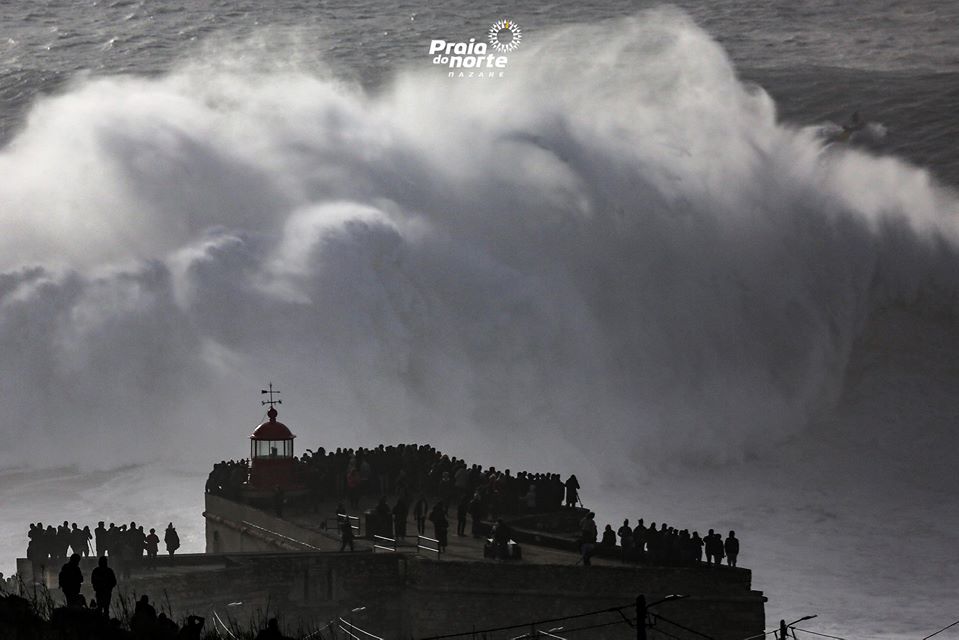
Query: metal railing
{"points": [[352, 630], [354, 523], [426, 547], [276, 534], [382, 543]]}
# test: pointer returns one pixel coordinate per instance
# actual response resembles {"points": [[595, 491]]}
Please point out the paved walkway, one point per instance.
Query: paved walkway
{"points": [[466, 548]]}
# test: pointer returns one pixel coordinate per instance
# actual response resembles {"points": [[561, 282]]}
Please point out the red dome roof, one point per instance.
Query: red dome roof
{"points": [[271, 429]]}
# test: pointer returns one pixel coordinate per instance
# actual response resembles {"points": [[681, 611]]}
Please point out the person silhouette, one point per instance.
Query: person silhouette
{"points": [[103, 580], [75, 538], [70, 580], [572, 491], [731, 547], [709, 542], [346, 534], [192, 628], [420, 511], [171, 539], [85, 541], [144, 618], [462, 509], [588, 536], [165, 628], [100, 539], [152, 544], [440, 525], [697, 544], [609, 537], [63, 539], [400, 513], [501, 536]]}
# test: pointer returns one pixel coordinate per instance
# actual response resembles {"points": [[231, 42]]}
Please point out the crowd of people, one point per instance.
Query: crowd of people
{"points": [[393, 519], [8, 584], [661, 546], [411, 469], [467, 492], [411, 472], [126, 545], [228, 477]]}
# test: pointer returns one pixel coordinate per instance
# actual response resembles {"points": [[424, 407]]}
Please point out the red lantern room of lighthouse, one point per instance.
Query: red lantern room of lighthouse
{"points": [[271, 451]]}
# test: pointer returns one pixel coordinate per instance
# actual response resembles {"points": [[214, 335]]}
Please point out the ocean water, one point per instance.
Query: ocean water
{"points": [[633, 257]]}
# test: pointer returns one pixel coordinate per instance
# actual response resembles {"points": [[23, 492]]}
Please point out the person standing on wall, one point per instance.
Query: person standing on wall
{"points": [[171, 539], [152, 544], [572, 491], [731, 547]]}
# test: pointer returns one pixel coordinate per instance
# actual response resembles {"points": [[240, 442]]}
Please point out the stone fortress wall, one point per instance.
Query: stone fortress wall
{"points": [[258, 565], [420, 596]]}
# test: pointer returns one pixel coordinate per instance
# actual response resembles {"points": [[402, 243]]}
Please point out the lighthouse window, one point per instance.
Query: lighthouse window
{"points": [[273, 448]]}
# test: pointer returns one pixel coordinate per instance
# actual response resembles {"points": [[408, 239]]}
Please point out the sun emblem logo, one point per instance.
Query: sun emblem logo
{"points": [[504, 35]]}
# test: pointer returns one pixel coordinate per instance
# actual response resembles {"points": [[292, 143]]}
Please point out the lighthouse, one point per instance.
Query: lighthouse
{"points": [[271, 450]]}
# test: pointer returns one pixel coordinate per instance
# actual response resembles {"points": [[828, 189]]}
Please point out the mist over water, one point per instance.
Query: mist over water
{"points": [[617, 249]]}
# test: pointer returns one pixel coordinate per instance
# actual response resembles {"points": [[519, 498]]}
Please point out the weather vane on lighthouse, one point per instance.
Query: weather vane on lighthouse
{"points": [[271, 401]]}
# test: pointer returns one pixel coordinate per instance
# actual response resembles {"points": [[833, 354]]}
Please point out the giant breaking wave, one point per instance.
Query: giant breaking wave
{"points": [[616, 250]]}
